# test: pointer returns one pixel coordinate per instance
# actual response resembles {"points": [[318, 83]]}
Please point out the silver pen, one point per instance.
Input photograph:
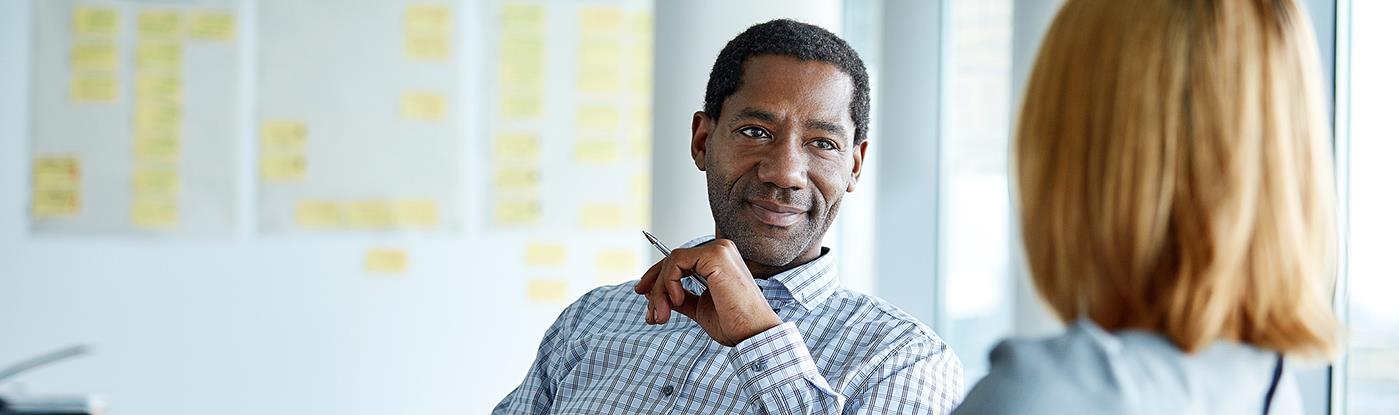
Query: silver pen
{"points": [[666, 252]]}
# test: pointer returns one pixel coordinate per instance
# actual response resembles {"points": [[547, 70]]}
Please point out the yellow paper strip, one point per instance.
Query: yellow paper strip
{"points": [[155, 180], [154, 211], [600, 20], [100, 55], [546, 290], [283, 167], [545, 255], [432, 47], [516, 178], [153, 145], [100, 87], [598, 117], [158, 87], [317, 214], [158, 22], [386, 261], [211, 25], [416, 213], [368, 214], [516, 212], [51, 203], [95, 21], [595, 152], [154, 53], [55, 173], [283, 135], [158, 116], [601, 216], [428, 18], [516, 146], [521, 17], [422, 106], [613, 261]]}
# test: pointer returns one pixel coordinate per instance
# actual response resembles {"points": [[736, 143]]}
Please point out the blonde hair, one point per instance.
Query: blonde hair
{"points": [[1174, 173]]}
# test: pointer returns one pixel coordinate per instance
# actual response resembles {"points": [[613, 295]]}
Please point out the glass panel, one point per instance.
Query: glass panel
{"points": [[1373, 385]]}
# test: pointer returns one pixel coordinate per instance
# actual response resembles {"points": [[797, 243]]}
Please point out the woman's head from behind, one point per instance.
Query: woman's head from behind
{"points": [[1174, 175]]}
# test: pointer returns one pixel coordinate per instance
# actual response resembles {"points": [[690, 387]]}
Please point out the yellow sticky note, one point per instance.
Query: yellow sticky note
{"points": [[283, 135], [154, 211], [155, 180], [597, 117], [158, 22], [283, 167], [516, 212], [595, 152], [599, 80], [595, 20], [522, 56], [641, 26], [521, 17], [432, 47], [211, 25], [604, 53], [157, 86], [155, 145], [157, 115], [546, 290], [50, 203], [95, 21], [94, 55], [427, 18], [545, 255], [522, 105], [55, 173], [164, 54], [386, 261], [422, 106], [368, 214], [100, 87], [416, 213], [515, 146], [317, 214], [516, 178], [601, 216], [613, 261]]}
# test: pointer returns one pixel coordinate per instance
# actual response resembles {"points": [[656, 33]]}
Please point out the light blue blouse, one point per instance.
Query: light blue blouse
{"points": [[1087, 370]]}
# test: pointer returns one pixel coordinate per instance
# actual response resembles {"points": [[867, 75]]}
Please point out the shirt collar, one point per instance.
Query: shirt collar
{"points": [[809, 284]]}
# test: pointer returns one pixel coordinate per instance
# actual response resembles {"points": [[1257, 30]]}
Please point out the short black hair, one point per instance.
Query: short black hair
{"points": [[788, 37]]}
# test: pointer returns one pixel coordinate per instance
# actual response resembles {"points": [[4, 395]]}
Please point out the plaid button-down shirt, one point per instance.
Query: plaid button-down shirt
{"points": [[837, 351]]}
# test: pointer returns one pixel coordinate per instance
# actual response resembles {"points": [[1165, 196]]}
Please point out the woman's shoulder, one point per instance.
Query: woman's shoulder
{"points": [[1073, 373]]}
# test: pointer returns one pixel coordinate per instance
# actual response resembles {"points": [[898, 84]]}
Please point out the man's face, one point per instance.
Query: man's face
{"points": [[779, 157]]}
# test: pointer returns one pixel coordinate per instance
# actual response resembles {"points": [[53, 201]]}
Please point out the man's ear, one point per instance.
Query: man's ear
{"points": [[700, 129], [858, 166]]}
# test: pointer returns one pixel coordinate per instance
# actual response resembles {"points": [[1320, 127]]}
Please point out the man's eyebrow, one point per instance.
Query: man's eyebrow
{"points": [[754, 113], [827, 126]]}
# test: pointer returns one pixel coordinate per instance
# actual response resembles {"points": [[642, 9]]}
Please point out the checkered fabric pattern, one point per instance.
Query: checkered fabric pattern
{"points": [[837, 351]]}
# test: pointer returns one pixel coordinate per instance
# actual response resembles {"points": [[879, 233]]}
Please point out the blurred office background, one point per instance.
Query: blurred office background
{"points": [[362, 207]]}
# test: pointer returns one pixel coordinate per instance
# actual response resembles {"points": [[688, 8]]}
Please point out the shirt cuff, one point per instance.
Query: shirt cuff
{"points": [[774, 358]]}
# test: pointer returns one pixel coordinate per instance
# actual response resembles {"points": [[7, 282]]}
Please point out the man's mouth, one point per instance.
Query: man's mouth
{"points": [[775, 214]]}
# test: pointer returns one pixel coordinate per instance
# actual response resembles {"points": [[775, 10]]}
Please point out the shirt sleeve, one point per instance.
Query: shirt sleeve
{"points": [[776, 370], [536, 394]]}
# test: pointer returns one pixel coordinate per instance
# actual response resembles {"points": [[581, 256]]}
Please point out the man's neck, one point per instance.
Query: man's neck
{"points": [[762, 272]]}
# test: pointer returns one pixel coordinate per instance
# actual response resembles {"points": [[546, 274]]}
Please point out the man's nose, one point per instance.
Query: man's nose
{"points": [[784, 165]]}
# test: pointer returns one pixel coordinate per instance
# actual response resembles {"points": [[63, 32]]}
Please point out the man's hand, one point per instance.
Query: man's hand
{"points": [[731, 310]]}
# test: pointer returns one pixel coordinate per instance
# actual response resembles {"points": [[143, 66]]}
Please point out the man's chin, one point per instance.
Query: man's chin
{"points": [[767, 250]]}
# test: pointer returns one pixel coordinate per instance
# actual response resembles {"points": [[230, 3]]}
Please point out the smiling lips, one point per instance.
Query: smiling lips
{"points": [[775, 214]]}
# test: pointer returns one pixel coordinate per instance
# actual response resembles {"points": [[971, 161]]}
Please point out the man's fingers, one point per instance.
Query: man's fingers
{"points": [[648, 278], [660, 303], [689, 305]]}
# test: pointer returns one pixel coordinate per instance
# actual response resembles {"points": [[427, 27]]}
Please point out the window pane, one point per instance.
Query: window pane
{"points": [[976, 201], [1373, 386]]}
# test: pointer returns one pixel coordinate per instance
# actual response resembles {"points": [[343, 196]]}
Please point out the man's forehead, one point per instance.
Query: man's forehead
{"points": [[778, 86]]}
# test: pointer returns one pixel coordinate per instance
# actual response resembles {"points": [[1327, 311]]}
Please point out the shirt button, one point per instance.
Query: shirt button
{"points": [[667, 390], [759, 367]]}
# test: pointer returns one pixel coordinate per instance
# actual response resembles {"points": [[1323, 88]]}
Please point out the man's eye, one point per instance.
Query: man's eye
{"points": [[754, 132], [824, 144]]}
